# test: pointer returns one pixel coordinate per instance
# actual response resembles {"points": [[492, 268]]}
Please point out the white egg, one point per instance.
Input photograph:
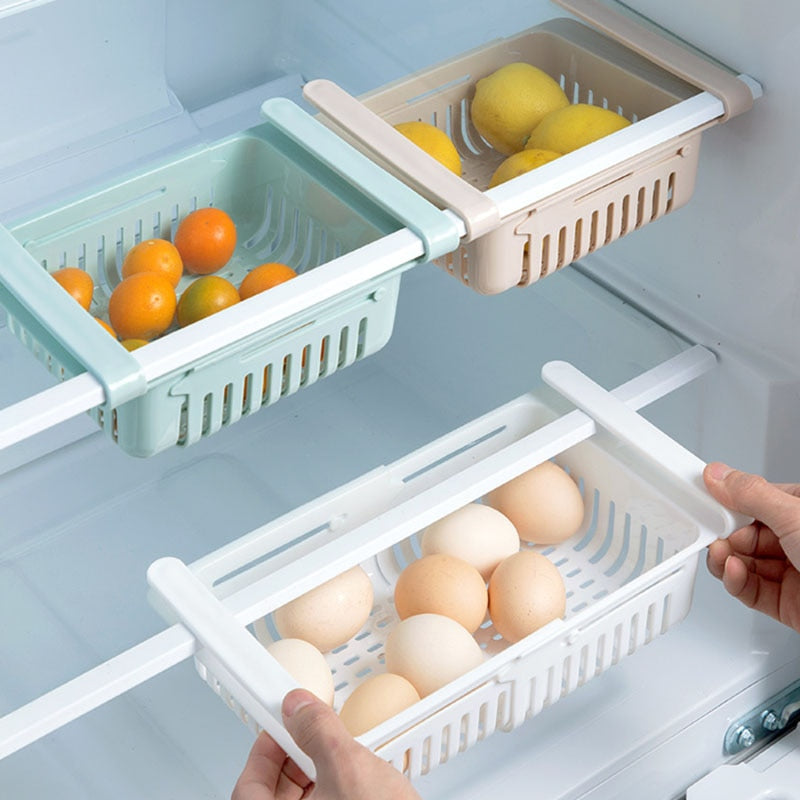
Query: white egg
{"points": [[476, 533], [544, 504], [330, 614], [430, 650], [306, 665]]}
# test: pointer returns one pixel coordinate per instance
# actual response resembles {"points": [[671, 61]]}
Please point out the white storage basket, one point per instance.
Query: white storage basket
{"points": [[629, 571]]}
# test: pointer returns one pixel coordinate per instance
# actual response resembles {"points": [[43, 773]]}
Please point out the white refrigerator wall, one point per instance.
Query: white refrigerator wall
{"points": [[724, 269]]}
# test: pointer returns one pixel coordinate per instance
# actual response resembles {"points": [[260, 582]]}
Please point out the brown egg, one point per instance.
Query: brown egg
{"points": [[375, 700], [526, 591], [442, 584], [544, 504]]}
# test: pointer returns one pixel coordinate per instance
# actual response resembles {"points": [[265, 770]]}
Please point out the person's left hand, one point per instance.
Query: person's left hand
{"points": [[346, 770], [269, 774]]}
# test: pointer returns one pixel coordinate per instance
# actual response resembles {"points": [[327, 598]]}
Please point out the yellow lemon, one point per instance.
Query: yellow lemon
{"points": [[510, 103], [519, 163], [572, 127], [434, 141]]}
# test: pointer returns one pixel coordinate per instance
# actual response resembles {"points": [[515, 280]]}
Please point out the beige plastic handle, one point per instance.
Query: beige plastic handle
{"points": [[734, 93], [426, 175]]}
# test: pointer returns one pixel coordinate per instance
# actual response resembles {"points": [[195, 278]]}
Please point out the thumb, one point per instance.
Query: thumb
{"points": [[754, 496], [318, 731]]}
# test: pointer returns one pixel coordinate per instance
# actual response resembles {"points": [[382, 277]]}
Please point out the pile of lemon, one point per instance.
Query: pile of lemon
{"points": [[145, 304], [521, 112], [525, 115]]}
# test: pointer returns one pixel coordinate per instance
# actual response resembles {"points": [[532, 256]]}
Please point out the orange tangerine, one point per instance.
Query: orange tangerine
{"points": [[154, 255], [133, 344], [206, 239], [104, 324], [205, 296], [77, 282], [142, 306], [265, 277]]}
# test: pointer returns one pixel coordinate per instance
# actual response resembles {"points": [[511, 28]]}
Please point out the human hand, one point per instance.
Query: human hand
{"points": [[759, 563], [346, 770]]}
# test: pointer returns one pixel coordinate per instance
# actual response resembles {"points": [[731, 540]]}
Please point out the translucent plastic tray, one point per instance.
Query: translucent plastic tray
{"points": [[297, 194], [533, 225]]}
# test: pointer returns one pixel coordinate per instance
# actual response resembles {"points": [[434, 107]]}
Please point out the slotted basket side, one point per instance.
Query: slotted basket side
{"points": [[182, 409], [546, 240]]}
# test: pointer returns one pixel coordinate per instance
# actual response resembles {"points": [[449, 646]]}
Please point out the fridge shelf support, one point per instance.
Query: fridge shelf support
{"points": [[768, 719]]}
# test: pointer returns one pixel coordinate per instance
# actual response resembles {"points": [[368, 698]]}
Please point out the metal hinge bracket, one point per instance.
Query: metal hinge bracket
{"points": [[764, 721]]}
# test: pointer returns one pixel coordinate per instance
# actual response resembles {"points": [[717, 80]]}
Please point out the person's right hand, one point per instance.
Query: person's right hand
{"points": [[346, 770], [759, 563]]}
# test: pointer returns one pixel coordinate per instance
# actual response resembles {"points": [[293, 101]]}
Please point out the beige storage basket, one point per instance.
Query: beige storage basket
{"points": [[533, 225]]}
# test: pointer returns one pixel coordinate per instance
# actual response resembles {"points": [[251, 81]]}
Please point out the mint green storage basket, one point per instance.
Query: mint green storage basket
{"points": [[297, 194]]}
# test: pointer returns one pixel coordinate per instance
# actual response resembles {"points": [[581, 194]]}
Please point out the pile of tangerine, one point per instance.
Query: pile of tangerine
{"points": [[145, 303]]}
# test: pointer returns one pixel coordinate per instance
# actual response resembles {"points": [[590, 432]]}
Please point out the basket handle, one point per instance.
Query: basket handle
{"points": [[430, 178], [54, 319], [228, 645], [667, 459], [439, 232], [735, 94]]}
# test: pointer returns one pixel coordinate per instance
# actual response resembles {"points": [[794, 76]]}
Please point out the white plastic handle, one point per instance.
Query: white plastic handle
{"points": [[229, 645], [682, 468]]}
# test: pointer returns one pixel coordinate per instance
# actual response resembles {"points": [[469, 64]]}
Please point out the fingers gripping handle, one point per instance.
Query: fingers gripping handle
{"points": [[675, 465], [228, 648]]}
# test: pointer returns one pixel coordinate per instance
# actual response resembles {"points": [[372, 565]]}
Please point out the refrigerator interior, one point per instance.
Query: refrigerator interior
{"points": [[99, 91]]}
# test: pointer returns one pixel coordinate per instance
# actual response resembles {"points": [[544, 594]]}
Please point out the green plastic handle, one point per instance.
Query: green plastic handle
{"points": [[437, 230], [70, 334]]}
